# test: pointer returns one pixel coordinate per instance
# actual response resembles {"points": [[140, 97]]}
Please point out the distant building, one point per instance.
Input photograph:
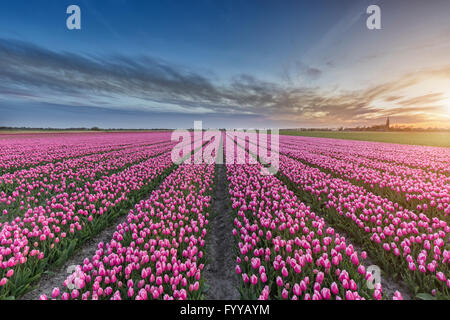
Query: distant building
{"points": [[387, 123]]}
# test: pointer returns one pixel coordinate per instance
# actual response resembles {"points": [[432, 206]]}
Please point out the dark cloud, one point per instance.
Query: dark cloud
{"points": [[30, 72], [31, 68], [330, 64], [306, 71]]}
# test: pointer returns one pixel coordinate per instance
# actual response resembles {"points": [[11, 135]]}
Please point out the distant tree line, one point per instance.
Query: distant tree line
{"points": [[379, 127], [77, 129], [373, 128]]}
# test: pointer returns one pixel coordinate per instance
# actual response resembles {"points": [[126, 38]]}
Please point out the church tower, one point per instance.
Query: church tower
{"points": [[387, 123]]}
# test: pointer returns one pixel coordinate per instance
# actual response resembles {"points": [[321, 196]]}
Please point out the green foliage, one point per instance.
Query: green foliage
{"points": [[435, 139]]}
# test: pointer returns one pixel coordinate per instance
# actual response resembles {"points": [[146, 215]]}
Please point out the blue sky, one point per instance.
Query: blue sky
{"points": [[254, 63]]}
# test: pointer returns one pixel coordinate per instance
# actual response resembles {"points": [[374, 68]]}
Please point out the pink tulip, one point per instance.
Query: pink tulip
{"points": [[263, 277], [279, 281], [75, 294], [349, 295], [334, 288], [441, 276], [297, 290], [397, 296], [238, 269], [3, 282], [325, 292], [55, 293]]}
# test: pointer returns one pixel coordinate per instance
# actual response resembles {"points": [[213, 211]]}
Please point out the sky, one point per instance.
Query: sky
{"points": [[228, 63]]}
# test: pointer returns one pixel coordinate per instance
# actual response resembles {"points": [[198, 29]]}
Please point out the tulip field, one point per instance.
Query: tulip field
{"points": [[313, 230]]}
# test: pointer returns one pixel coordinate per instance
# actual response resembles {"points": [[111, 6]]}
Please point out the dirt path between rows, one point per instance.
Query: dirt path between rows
{"points": [[221, 280], [56, 279]]}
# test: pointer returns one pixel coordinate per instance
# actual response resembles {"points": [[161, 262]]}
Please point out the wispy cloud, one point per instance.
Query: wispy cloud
{"points": [[35, 74]]}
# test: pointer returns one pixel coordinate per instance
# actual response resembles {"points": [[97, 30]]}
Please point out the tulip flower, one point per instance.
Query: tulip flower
{"points": [[55, 293]]}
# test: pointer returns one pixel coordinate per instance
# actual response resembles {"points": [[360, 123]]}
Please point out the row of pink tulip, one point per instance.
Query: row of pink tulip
{"points": [[411, 244], [285, 250], [422, 157], [426, 191], [24, 151], [32, 187], [159, 252], [405, 243], [43, 233]]}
